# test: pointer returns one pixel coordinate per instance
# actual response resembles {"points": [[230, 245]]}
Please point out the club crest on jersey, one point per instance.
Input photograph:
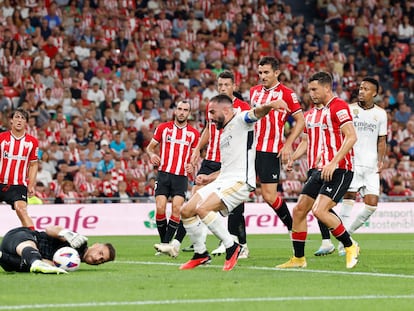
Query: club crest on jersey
{"points": [[355, 112], [342, 115]]}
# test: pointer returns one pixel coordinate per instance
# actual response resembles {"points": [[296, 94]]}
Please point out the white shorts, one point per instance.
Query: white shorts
{"points": [[232, 193], [365, 181]]}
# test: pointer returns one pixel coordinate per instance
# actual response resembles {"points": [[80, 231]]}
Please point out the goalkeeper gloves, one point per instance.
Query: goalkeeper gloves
{"points": [[75, 239]]}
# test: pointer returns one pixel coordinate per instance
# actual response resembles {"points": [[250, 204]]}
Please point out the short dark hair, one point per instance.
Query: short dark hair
{"points": [[373, 81], [322, 77], [23, 112], [226, 74], [269, 60], [222, 98], [112, 252]]}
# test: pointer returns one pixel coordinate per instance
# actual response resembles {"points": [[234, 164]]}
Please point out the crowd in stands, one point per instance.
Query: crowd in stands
{"points": [[98, 77]]}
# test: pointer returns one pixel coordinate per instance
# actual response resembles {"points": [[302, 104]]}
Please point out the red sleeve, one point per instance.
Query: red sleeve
{"points": [[33, 156], [292, 100], [340, 112], [158, 132]]}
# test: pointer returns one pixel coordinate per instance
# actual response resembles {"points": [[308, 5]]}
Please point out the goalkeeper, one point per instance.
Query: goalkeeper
{"points": [[25, 250]]}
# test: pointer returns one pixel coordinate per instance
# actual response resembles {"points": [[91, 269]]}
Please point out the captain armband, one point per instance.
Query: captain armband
{"points": [[250, 116]]}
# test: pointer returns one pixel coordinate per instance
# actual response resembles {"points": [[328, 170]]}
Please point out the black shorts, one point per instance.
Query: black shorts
{"points": [[171, 185], [209, 167], [16, 236], [267, 167], [335, 189], [13, 193]]}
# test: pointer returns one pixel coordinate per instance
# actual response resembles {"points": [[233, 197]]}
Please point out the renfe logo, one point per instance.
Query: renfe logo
{"points": [[73, 222], [139, 219]]}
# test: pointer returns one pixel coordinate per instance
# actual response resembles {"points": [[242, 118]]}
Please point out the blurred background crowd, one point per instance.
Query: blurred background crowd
{"points": [[98, 76]]}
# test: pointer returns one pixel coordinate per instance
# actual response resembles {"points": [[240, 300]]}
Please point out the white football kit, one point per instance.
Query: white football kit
{"points": [[237, 177], [369, 125]]}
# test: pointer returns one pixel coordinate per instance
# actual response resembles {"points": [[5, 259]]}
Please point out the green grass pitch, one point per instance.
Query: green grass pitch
{"points": [[138, 280]]}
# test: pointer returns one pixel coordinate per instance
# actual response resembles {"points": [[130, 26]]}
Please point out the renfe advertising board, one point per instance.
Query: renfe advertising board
{"points": [[139, 219]]}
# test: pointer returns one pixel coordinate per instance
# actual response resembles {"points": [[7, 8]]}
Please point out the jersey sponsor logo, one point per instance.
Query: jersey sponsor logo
{"points": [[177, 141], [8, 156], [295, 98], [363, 126], [343, 115]]}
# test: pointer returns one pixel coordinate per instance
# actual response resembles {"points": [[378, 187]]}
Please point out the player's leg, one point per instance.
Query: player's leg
{"points": [[174, 221], [160, 215], [16, 196], [299, 232], [196, 232], [330, 194], [371, 204], [370, 191], [237, 227], [327, 246], [268, 171]]}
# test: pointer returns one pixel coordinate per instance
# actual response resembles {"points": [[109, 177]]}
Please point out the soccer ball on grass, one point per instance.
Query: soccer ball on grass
{"points": [[67, 258]]}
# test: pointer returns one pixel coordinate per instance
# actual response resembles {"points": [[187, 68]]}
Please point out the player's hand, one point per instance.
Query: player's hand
{"points": [[155, 160], [279, 105], [327, 171], [379, 166], [289, 165], [202, 179], [194, 157], [286, 153], [30, 192], [75, 239], [189, 168]]}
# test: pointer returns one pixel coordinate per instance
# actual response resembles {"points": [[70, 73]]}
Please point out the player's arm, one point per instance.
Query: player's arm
{"points": [[297, 129], [204, 138], [300, 151], [75, 239], [381, 149], [154, 157], [259, 112], [350, 139], [32, 173]]}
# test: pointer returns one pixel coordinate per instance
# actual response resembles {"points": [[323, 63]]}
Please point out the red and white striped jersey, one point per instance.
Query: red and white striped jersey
{"points": [[15, 156], [313, 128], [270, 129], [176, 145], [335, 114], [213, 147]]}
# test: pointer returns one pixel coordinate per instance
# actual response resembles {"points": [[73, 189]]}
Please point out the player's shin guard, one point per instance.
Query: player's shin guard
{"points": [[197, 233], [30, 254], [362, 217], [161, 221], [171, 229], [342, 235], [345, 214], [298, 241], [282, 211], [216, 226], [179, 236], [237, 224]]}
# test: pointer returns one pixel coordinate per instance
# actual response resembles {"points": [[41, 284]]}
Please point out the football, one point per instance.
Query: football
{"points": [[67, 258]]}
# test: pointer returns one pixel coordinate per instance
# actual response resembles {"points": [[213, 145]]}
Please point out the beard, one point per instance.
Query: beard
{"points": [[219, 123]]}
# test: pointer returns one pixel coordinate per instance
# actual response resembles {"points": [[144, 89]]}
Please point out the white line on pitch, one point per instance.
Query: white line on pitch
{"points": [[389, 275], [200, 301]]}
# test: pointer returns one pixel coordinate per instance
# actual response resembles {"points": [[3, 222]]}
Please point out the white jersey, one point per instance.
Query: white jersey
{"points": [[237, 151], [369, 125]]}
